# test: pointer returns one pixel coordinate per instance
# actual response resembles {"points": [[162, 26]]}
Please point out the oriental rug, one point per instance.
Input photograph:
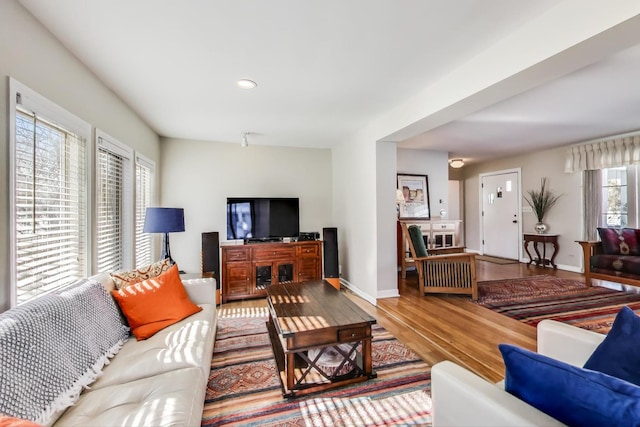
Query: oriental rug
{"points": [[244, 388], [535, 298]]}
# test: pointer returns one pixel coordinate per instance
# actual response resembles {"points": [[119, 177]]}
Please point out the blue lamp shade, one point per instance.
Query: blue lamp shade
{"points": [[164, 220]]}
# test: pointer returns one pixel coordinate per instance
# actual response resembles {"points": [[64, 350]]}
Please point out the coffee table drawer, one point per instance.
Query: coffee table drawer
{"points": [[353, 334]]}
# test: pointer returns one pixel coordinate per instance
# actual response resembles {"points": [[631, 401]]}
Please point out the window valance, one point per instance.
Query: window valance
{"points": [[607, 153]]}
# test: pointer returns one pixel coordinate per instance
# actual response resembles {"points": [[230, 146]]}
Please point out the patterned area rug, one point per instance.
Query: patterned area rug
{"points": [[535, 298], [244, 389]]}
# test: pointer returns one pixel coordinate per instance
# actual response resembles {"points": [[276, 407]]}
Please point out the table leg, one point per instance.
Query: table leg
{"points": [[290, 368], [556, 247], [526, 249], [539, 261], [366, 357]]}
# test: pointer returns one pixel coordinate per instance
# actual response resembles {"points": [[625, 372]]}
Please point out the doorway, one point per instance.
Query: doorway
{"points": [[500, 213]]}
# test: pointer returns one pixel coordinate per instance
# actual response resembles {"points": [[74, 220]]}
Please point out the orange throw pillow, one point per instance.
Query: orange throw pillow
{"points": [[6, 421], [154, 304]]}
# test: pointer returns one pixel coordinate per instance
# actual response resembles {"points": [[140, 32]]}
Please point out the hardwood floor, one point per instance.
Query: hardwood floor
{"points": [[452, 327]]}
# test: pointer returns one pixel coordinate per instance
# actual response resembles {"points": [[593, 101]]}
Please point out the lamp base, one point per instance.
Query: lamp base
{"points": [[166, 251]]}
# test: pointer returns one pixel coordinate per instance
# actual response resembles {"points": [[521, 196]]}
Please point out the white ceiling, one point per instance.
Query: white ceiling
{"points": [[326, 69]]}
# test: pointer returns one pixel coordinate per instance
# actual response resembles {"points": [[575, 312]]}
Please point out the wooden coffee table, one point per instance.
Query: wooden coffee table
{"points": [[320, 338]]}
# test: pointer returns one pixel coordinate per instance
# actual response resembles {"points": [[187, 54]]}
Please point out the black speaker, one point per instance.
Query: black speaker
{"points": [[210, 262], [330, 256]]}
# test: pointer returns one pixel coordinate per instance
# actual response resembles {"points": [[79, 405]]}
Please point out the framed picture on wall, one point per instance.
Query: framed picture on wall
{"points": [[414, 203]]}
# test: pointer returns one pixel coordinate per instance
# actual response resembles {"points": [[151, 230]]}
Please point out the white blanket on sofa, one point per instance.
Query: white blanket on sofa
{"points": [[53, 347]]}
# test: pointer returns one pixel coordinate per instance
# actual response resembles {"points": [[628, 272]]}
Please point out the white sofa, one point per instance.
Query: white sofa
{"points": [[461, 398], [160, 381]]}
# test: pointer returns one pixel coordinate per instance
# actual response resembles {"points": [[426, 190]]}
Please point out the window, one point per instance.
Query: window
{"points": [[113, 204], [49, 198], [619, 197], [144, 188]]}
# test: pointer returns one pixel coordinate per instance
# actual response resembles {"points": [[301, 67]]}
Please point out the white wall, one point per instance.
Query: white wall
{"points": [[32, 56], [199, 176], [386, 185], [354, 192], [565, 218]]}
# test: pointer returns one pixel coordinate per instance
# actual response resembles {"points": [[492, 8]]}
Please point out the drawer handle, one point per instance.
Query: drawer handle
{"points": [[353, 335]]}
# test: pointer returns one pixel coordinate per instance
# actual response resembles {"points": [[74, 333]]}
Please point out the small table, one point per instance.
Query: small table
{"points": [[536, 239], [308, 320]]}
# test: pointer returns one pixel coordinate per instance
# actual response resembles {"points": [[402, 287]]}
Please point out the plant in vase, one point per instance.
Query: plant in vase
{"points": [[541, 201]]}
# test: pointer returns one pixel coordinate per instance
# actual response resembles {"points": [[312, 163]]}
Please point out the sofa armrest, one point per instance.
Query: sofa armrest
{"points": [[201, 290], [461, 398], [566, 343]]}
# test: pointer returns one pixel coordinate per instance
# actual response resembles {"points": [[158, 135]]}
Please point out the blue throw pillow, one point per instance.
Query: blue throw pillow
{"points": [[619, 354], [572, 395]]}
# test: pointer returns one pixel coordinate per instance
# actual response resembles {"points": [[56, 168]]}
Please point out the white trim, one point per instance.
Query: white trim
{"points": [[108, 143], [358, 292], [33, 101], [390, 293], [145, 161]]}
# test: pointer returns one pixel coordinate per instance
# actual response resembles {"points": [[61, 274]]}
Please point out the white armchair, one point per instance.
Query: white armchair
{"points": [[461, 398]]}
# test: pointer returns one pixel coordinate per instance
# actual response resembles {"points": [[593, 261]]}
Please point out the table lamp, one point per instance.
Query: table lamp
{"points": [[164, 220]]}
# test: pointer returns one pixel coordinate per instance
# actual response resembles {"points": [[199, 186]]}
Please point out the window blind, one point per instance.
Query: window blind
{"points": [[114, 204], [49, 205], [109, 211], [144, 187]]}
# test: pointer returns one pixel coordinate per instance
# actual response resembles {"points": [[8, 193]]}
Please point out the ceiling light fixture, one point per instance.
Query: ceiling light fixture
{"points": [[456, 163], [245, 142], [246, 84]]}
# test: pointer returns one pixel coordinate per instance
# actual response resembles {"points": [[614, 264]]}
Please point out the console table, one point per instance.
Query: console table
{"points": [[249, 269], [536, 240]]}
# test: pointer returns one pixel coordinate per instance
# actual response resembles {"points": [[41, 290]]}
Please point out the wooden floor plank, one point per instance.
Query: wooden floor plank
{"points": [[452, 327]]}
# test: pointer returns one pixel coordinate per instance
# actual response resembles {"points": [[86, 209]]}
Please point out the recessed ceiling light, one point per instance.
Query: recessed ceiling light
{"points": [[247, 84]]}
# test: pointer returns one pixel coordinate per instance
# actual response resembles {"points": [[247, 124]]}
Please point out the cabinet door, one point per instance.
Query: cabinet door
{"points": [[308, 269], [285, 271], [237, 279], [263, 273]]}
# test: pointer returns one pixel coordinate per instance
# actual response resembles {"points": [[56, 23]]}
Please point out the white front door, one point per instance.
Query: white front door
{"points": [[501, 229]]}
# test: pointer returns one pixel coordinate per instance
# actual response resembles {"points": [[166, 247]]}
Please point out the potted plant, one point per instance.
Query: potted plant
{"points": [[541, 201]]}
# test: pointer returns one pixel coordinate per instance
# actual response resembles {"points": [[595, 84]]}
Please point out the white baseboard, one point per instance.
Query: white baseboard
{"points": [[391, 293], [358, 292]]}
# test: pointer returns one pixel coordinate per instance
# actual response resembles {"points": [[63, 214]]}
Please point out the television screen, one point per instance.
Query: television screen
{"points": [[262, 217]]}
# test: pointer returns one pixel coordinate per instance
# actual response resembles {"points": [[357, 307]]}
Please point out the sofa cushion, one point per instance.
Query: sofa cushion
{"points": [[572, 395], [156, 303], [415, 234], [619, 354], [616, 264], [619, 242], [188, 343], [174, 398], [633, 239], [125, 278]]}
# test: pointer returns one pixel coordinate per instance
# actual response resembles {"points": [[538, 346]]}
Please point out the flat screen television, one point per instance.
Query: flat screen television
{"points": [[262, 218]]}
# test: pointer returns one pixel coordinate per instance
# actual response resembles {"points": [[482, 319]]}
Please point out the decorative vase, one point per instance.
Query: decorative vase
{"points": [[540, 227]]}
